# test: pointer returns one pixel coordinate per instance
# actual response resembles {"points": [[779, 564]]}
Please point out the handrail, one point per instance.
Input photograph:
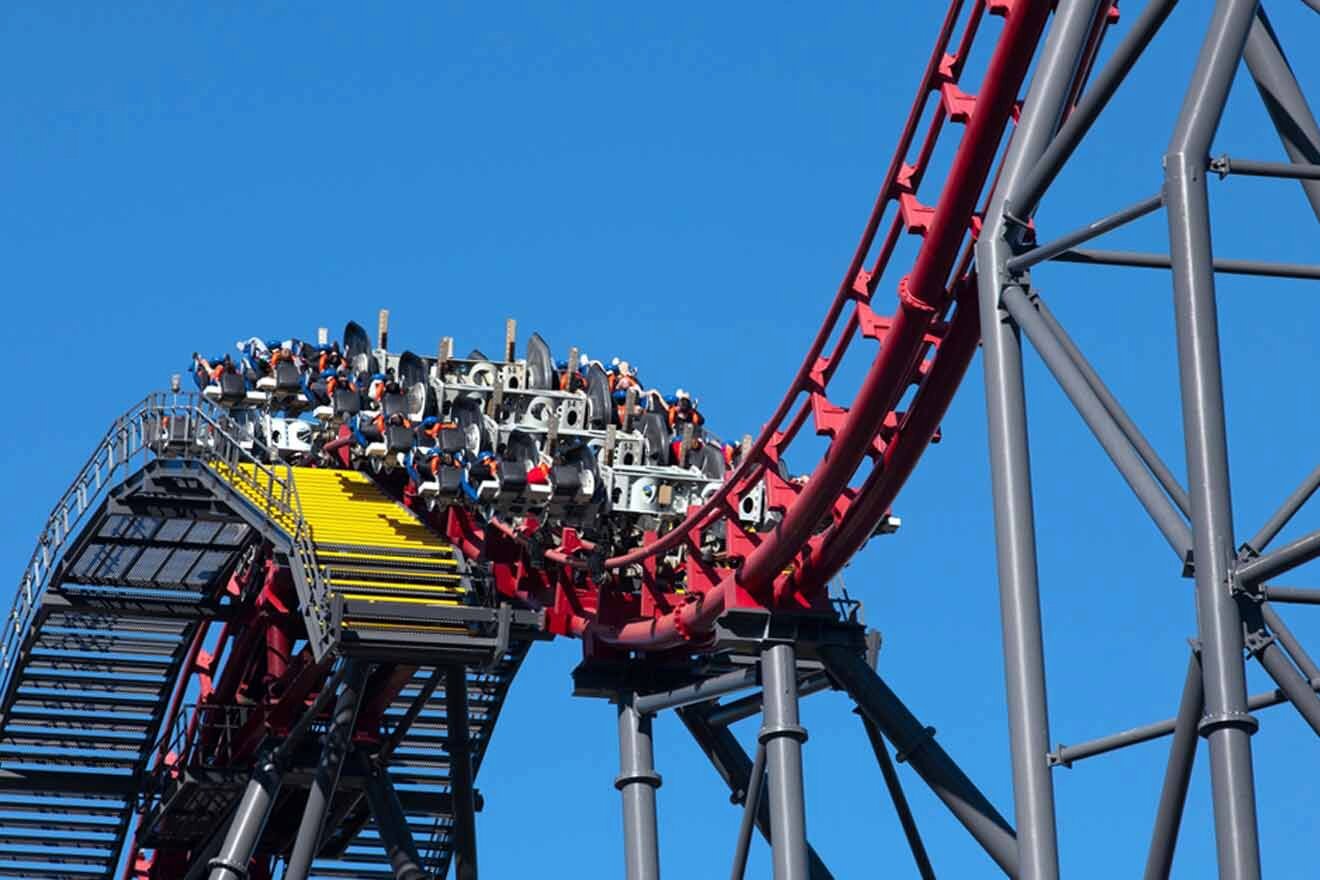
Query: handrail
{"points": [[122, 442], [146, 431]]}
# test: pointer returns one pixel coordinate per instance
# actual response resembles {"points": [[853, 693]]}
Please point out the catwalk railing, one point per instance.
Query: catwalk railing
{"points": [[162, 425]]}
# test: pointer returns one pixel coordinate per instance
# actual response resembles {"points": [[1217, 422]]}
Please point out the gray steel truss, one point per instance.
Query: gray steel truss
{"points": [[1234, 615]]}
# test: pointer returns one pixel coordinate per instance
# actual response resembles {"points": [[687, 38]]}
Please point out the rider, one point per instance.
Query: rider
{"points": [[620, 397], [570, 380], [683, 411], [622, 376]]}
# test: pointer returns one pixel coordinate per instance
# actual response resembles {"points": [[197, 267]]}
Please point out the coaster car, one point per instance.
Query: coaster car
{"points": [[230, 390]]}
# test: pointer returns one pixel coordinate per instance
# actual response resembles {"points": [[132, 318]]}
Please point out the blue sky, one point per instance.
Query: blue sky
{"points": [[682, 186]]}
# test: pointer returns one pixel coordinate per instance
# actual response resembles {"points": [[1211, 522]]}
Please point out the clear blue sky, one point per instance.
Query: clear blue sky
{"points": [[681, 185]]}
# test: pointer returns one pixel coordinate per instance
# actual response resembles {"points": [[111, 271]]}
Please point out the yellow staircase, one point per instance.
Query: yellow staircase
{"points": [[371, 550]]}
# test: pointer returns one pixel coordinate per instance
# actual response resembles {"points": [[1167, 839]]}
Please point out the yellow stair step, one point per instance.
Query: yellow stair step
{"points": [[393, 586], [391, 600], [355, 558]]}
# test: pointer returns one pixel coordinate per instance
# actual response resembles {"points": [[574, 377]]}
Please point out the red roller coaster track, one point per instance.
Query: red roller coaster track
{"points": [[926, 343]]}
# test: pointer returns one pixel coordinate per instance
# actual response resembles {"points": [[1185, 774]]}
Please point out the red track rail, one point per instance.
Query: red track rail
{"points": [[920, 346]]}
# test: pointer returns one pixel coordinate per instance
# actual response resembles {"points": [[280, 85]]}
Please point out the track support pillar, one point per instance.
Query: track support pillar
{"points": [[1010, 467], [1227, 725], [782, 737], [637, 782]]}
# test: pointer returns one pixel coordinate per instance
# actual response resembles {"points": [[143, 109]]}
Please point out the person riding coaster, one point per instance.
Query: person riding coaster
{"points": [[438, 472], [335, 393], [382, 439], [624, 415], [571, 380], [683, 411]]}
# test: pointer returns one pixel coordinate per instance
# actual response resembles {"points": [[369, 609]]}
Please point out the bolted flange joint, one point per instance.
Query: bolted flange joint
{"points": [[645, 777], [1239, 720], [792, 731]]}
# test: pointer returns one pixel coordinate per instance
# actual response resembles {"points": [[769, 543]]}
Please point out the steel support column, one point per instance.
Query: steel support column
{"points": [[637, 782], [249, 822], [1177, 774], [1010, 468], [1227, 725], [782, 737], [1284, 101], [392, 824], [462, 787], [338, 738]]}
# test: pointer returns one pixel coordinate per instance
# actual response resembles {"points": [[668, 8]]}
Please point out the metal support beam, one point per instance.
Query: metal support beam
{"points": [[1226, 166], [735, 767], [1286, 512], [1149, 456], [745, 707], [392, 825], [1290, 643], [649, 704], [249, 822], [782, 737], [915, 744], [1068, 755], [461, 774], [1138, 260], [1052, 249], [751, 804], [1286, 558], [1035, 851], [338, 739], [1295, 595], [899, 799], [1265, 648], [637, 782], [1227, 725], [1177, 774], [1148, 491], [1284, 101], [1092, 102]]}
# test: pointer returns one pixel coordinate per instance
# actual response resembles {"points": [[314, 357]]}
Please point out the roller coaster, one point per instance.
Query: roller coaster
{"points": [[269, 627]]}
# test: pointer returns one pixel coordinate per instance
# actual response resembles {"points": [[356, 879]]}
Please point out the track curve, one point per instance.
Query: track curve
{"points": [[920, 346]]}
